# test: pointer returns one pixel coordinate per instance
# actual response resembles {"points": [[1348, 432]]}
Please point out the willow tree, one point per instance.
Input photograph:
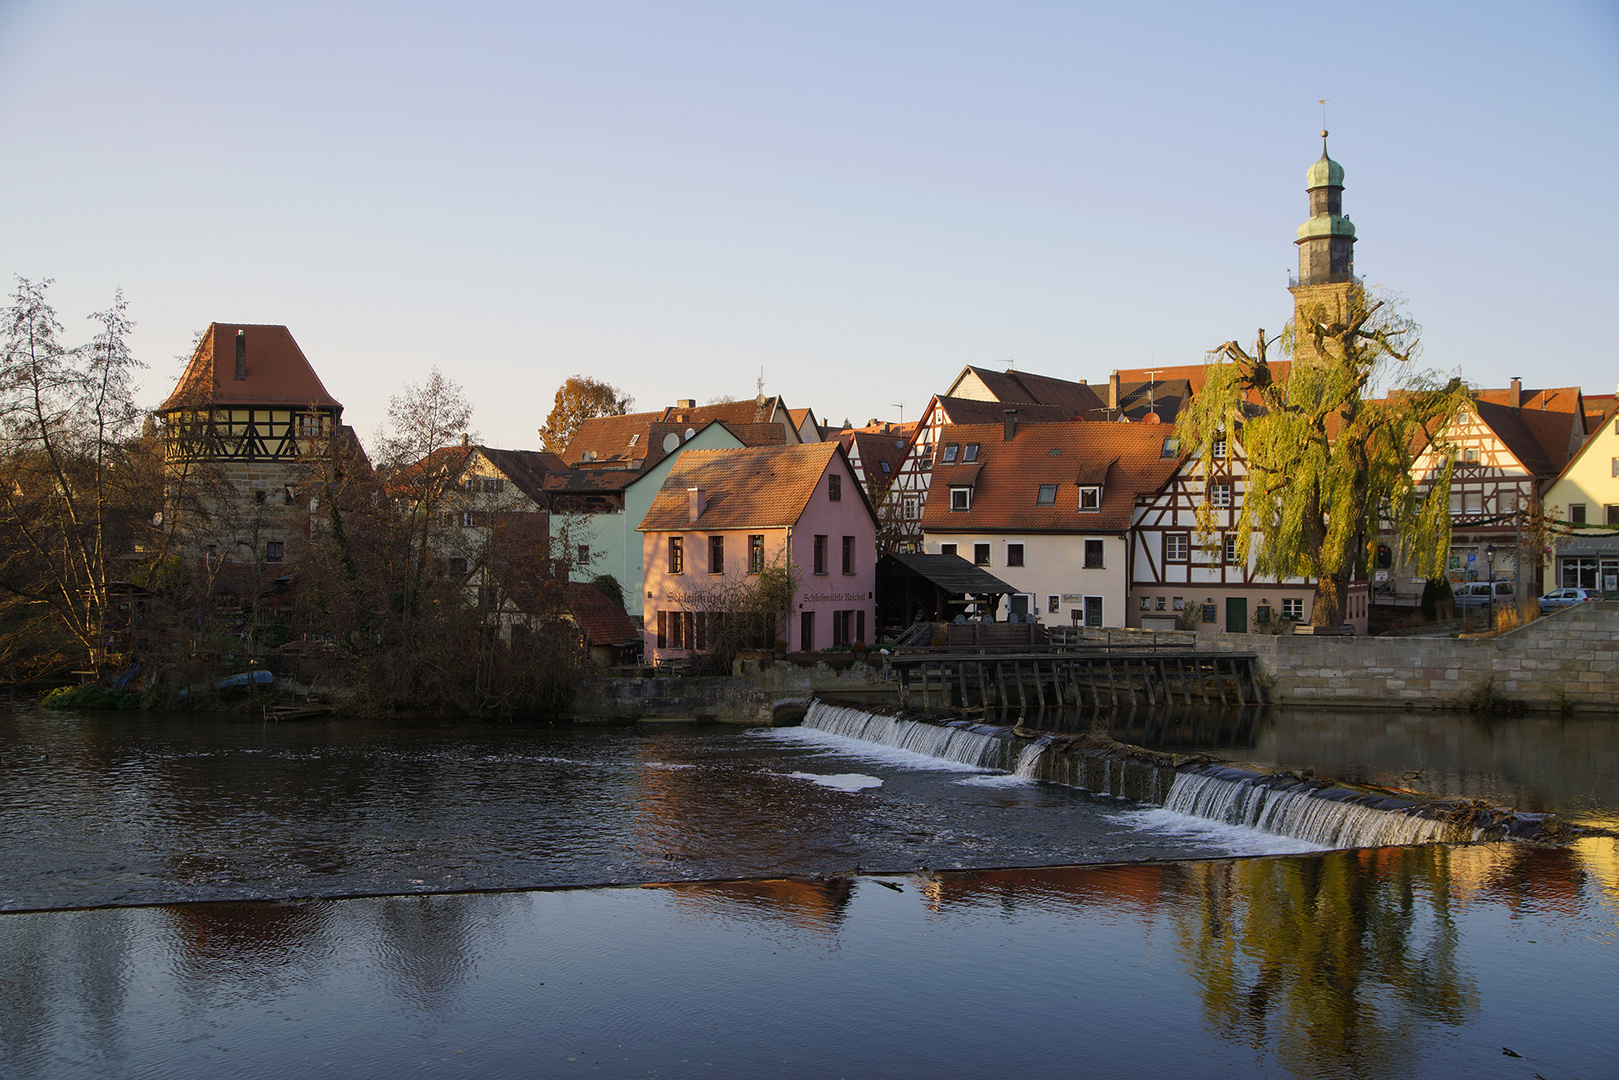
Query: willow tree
{"points": [[1329, 465]]}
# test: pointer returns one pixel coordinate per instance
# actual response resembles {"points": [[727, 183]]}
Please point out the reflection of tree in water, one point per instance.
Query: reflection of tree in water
{"points": [[817, 905], [1341, 960], [255, 950], [65, 972]]}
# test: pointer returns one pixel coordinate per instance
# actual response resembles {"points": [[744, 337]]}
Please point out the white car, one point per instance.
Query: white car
{"points": [[1477, 594], [1558, 599]]}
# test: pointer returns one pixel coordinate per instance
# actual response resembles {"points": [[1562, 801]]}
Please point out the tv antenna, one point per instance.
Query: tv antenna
{"points": [[759, 387], [1150, 373], [901, 409]]}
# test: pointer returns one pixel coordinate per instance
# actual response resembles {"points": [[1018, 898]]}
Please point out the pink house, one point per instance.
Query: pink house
{"points": [[723, 517]]}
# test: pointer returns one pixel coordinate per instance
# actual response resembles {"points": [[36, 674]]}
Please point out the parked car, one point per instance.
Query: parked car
{"points": [[1558, 599], [1477, 594]]}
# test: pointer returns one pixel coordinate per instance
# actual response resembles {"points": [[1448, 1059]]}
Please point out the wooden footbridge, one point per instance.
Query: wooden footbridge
{"points": [[1097, 668]]}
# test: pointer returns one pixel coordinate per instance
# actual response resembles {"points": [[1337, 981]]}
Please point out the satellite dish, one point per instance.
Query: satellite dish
{"points": [[690, 432], [671, 443]]}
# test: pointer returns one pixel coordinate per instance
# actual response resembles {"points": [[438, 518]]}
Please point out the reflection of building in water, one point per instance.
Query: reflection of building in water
{"points": [[1141, 888], [807, 904], [219, 945], [1525, 878]]}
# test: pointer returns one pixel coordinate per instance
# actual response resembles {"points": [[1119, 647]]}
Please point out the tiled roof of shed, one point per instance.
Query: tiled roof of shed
{"points": [[598, 618], [276, 371], [760, 487], [1010, 474]]}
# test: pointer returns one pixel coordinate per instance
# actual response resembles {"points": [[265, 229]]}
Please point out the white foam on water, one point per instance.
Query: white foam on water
{"points": [[1236, 839], [997, 780], [843, 746], [841, 781]]}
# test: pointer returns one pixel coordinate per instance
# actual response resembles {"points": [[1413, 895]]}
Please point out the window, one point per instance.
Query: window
{"points": [[981, 554], [820, 554], [1211, 613], [756, 554], [1047, 496], [677, 555], [913, 508], [663, 629], [289, 495], [1612, 511], [308, 425], [1293, 607], [584, 554], [1231, 549], [716, 554], [1146, 603], [1014, 554], [834, 487], [1177, 603], [961, 499], [1219, 446], [1176, 546], [1158, 603], [970, 453], [848, 554], [213, 549], [947, 549], [883, 465], [258, 496], [1220, 494], [1576, 513], [1473, 502], [1172, 446], [1090, 498], [1093, 554], [1053, 603], [950, 453], [1616, 466], [677, 624], [635, 438], [273, 551], [1470, 455]]}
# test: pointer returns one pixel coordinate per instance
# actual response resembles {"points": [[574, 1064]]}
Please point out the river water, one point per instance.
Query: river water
{"points": [[874, 939]]}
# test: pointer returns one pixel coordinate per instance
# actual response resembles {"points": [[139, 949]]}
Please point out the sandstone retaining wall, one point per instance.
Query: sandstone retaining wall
{"points": [[1570, 658]]}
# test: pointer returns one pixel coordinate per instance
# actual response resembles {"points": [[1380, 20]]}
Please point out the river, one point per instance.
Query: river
{"points": [[821, 907]]}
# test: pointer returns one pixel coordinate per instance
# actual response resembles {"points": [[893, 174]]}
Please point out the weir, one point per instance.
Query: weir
{"points": [[1315, 811], [1093, 677]]}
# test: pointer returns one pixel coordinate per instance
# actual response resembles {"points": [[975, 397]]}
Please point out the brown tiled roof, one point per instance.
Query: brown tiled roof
{"points": [[760, 487], [756, 434], [598, 618], [591, 481], [1195, 375], [526, 469], [608, 438], [873, 450], [1598, 408], [958, 410], [751, 411], [1549, 416], [1073, 398], [276, 371], [1009, 476]]}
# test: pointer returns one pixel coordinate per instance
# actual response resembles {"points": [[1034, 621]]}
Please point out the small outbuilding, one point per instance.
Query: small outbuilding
{"points": [[914, 588]]}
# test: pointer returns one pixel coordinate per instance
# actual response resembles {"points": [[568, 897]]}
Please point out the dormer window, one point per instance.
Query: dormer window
{"points": [[961, 499], [970, 453], [1172, 446], [1047, 495], [1090, 498], [950, 453]]}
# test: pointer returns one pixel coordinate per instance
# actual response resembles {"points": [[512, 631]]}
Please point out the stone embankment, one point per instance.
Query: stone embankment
{"points": [[759, 694], [1569, 660]]}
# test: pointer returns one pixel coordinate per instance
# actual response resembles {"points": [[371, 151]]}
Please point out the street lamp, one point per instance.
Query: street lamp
{"points": [[1489, 560]]}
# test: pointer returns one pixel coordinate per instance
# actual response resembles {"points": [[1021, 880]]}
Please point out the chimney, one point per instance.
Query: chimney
{"points": [[1516, 400], [695, 503], [466, 438], [1011, 424], [1113, 391], [241, 355], [686, 403]]}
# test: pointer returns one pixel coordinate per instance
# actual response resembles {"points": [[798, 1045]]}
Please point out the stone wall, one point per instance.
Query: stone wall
{"points": [[1569, 658]]}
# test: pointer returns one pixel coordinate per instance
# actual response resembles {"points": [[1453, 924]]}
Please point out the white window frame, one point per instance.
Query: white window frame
{"points": [[1092, 493], [1177, 547], [1220, 494], [961, 499]]}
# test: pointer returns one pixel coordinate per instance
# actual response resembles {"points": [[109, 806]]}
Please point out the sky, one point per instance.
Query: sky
{"points": [[850, 201]]}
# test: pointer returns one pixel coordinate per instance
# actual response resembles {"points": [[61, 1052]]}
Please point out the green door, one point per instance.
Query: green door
{"points": [[1236, 614]]}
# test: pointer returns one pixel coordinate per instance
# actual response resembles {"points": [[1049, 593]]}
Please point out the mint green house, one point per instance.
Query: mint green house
{"points": [[616, 464]]}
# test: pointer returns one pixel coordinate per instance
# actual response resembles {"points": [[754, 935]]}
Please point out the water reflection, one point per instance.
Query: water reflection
{"points": [[1388, 963]]}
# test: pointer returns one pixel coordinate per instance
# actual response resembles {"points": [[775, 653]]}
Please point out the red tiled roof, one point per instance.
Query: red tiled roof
{"points": [[1548, 415], [598, 618], [1007, 476], [761, 487], [1195, 375], [751, 411], [1598, 408], [276, 371], [611, 438]]}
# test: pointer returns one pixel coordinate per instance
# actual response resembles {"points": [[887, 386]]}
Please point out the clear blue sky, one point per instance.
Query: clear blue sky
{"points": [[858, 197]]}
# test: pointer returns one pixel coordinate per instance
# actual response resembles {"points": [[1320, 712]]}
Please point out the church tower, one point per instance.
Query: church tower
{"points": [[1326, 242]]}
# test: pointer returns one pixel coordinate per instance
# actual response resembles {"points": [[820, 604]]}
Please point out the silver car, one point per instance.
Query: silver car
{"points": [[1562, 598], [1477, 594]]}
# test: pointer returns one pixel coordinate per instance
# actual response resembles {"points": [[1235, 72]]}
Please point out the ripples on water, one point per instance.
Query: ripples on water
{"points": [[111, 808]]}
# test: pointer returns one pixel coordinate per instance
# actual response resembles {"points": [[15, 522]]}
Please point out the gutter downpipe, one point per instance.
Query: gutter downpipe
{"points": [[787, 616]]}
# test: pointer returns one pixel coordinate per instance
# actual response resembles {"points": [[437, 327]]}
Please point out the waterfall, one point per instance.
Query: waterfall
{"points": [[982, 745], [1278, 803], [1326, 815]]}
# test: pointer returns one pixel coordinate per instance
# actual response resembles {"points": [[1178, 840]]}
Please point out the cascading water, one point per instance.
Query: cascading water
{"points": [[1277, 803]]}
